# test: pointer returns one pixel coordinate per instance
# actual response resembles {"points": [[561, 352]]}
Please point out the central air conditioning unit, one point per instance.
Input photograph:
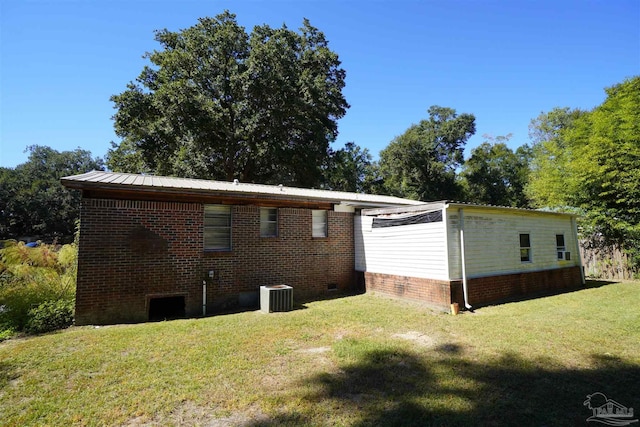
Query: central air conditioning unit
{"points": [[276, 298]]}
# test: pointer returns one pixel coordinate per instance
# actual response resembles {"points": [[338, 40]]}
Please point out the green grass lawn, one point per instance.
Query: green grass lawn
{"points": [[355, 361]]}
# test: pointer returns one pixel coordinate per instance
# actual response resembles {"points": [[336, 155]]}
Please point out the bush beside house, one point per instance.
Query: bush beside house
{"points": [[37, 287]]}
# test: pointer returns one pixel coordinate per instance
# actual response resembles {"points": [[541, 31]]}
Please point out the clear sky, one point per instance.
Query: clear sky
{"points": [[503, 61]]}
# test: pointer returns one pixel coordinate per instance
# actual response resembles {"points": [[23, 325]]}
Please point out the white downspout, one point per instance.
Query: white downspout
{"points": [[574, 223], [204, 298], [463, 263]]}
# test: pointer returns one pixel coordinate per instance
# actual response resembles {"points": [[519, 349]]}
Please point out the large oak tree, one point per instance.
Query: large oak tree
{"points": [[421, 163], [496, 175], [33, 202], [218, 103]]}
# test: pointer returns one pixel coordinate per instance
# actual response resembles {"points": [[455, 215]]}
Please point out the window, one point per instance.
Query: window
{"points": [[217, 227], [319, 221], [268, 222], [560, 246], [525, 248]]}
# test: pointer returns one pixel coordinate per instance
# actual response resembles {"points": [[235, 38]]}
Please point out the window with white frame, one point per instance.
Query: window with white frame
{"points": [[525, 247], [268, 222], [217, 227], [319, 221], [560, 246]]}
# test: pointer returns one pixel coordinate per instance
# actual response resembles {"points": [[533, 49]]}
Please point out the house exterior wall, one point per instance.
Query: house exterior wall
{"points": [[423, 262], [482, 290], [131, 251], [491, 289], [492, 243], [433, 292], [417, 250]]}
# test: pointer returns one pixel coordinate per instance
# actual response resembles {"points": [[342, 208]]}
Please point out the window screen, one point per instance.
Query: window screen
{"points": [[268, 222], [319, 221], [560, 246], [217, 227], [422, 218], [525, 248]]}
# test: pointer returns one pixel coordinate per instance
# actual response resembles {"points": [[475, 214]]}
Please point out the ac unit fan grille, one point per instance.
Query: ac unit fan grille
{"points": [[276, 298]]}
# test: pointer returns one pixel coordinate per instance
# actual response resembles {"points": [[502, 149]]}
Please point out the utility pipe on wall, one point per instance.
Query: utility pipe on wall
{"points": [[574, 223], [463, 262], [204, 297]]}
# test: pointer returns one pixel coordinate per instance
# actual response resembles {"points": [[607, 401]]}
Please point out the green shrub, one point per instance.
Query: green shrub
{"points": [[5, 334], [50, 316], [16, 300], [32, 276]]}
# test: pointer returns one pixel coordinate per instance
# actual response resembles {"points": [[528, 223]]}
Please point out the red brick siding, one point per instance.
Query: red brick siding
{"points": [[432, 291], [131, 250], [482, 291], [486, 290], [293, 257]]}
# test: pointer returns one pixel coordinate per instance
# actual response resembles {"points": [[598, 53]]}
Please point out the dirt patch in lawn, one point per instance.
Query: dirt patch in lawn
{"points": [[191, 414], [418, 338], [315, 350]]}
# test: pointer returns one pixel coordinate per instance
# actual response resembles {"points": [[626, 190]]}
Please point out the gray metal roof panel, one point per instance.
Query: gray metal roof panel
{"points": [[122, 180], [428, 206]]}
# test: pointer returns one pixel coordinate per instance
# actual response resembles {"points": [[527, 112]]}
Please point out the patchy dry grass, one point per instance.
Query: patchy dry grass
{"points": [[356, 361]]}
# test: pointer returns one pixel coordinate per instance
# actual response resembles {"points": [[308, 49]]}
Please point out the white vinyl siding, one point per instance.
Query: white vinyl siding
{"points": [[217, 227], [268, 222], [417, 250], [319, 223], [492, 241]]}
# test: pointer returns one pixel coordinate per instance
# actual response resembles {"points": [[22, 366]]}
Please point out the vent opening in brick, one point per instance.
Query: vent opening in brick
{"points": [[166, 308]]}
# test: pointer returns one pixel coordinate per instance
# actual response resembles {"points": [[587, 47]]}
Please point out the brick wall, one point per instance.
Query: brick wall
{"points": [[482, 291], [131, 251], [440, 293], [308, 264], [486, 290]]}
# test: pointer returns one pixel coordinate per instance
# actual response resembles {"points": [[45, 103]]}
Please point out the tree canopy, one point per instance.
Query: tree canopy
{"points": [[349, 169], [218, 103], [33, 202], [496, 175], [421, 163], [551, 157], [592, 163]]}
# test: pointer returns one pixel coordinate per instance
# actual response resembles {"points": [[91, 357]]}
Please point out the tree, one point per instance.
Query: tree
{"points": [[495, 175], [548, 126], [349, 169], [125, 157], [33, 202], [592, 164], [605, 147], [550, 157], [217, 103], [421, 163]]}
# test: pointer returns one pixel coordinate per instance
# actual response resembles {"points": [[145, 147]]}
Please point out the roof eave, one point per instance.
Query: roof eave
{"points": [[240, 195], [458, 205]]}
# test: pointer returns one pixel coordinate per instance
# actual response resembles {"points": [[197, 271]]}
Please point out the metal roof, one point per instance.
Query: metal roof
{"points": [[430, 206], [125, 181]]}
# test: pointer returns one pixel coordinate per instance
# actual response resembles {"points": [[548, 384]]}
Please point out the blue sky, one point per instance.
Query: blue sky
{"points": [[503, 61]]}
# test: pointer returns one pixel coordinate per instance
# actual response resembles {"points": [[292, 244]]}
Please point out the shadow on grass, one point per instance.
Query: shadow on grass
{"points": [[299, 303], [7, 374], [597, 283], [589, 284], [445, 388]]}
